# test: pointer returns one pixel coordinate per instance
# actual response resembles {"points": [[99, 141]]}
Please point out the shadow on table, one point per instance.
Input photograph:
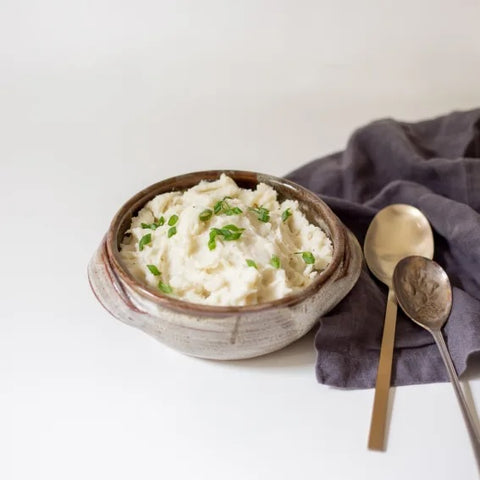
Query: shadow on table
{"points": [[299, 353], [302, 352]]}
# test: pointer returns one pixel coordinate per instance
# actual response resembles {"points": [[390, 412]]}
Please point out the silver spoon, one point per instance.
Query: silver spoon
{"points": [[395, 232], [424, 293]]}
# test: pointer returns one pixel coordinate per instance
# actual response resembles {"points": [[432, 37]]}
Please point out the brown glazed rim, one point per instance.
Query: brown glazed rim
{"points": [[244, 179]]}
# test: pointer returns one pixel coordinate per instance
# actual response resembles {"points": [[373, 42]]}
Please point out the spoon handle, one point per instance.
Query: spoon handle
{"points": [[467, 413], [376, 439]]}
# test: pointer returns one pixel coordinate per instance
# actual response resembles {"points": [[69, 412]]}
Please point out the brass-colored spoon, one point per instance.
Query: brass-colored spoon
{"points": [[396, 232], [424, 293]]}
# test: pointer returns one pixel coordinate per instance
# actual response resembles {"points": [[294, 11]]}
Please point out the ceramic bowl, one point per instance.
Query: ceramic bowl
{"points": [[218, 332]]}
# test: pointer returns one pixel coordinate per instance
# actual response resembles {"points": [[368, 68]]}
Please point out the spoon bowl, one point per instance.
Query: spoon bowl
{"points": [[423, 291], [396, 231]]}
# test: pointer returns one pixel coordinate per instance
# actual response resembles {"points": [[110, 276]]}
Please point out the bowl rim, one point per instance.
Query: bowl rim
{"points": [[132, 205]]}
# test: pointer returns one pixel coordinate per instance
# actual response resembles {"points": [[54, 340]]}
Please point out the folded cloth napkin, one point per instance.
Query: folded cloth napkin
{"points": [[435, 166]]}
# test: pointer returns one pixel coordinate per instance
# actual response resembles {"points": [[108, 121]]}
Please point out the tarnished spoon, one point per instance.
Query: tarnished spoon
{"points": [[424, 294], [395, 232]]}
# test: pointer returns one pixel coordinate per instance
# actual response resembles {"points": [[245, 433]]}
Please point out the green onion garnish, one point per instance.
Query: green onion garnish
{"points": [[285, 214], [217, 208], [233, 211], [262, 213], [205, 215], [155, 224], [275, 261], [211, 241], [308, 257], [153, 270], [251, 263], [164, 287], [222, 206], [228, 232], [171, 232], [173, 220], [145, 240]]}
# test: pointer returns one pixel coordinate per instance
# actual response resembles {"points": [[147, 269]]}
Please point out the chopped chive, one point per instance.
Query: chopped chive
{"points": [[145, 240], [222, 206], [228, 232], [275, 261], [262, 213], [173, 220], [151, 226], [285, 214], [231, 236], [153, 270], [171, 232], [233, 211], [308, 257], [164, 287], [217, 208], [251, 263], [205, 215], [211, 241], [233, 228], [155, 224]]}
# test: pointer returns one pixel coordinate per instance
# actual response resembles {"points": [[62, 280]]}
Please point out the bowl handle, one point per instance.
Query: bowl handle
{"points": [[104, 281]]}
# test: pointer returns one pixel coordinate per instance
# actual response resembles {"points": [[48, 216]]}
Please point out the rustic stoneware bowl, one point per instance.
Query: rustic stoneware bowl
{"points": [[224, 333]]}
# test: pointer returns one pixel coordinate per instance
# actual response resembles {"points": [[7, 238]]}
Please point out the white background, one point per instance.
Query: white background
{"points": [[99, 99]]}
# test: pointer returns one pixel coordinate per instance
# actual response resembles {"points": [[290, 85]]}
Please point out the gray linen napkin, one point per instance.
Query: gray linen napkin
{"points": [[435, 166]]}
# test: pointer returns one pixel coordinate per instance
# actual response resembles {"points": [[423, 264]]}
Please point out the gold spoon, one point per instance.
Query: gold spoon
{"points": [[424, 293], [396, 232]]}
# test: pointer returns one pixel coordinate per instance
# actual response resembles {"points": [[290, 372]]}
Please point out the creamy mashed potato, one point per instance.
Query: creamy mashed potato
{"points": [[219, 244]]}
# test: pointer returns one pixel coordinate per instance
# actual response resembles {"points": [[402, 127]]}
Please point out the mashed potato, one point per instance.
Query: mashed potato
{"points": [[219, 244]]}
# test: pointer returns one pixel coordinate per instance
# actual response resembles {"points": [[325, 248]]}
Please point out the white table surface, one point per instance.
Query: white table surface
{"points": [[99, 99]]}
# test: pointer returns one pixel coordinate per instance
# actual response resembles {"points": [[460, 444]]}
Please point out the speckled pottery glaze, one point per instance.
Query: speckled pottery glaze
{"points": [[224, 333]]}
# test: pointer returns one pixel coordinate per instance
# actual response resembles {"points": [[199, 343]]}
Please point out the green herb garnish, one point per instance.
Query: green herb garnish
{"points": [[233, 228], [217, 208], [164, 287], [205, 215], [171, 232], [228, 232], [275, 261], [285, 214], [173, 220], [222, 206], [233, 211], [308, 257], [211, 240], [251, 263], [155, 224], [145, 240], [153, 270], [262, 213]]}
